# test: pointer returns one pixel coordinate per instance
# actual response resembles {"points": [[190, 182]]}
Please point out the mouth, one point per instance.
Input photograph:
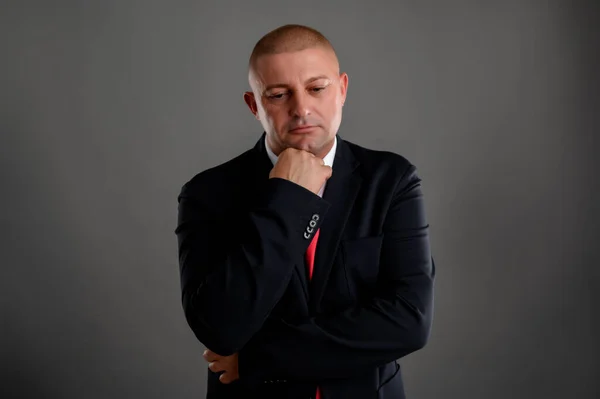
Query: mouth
{"points": [[303, 129]]}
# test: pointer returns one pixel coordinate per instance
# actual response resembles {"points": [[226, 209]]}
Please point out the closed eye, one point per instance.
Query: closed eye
{"points": [[277, 96]]}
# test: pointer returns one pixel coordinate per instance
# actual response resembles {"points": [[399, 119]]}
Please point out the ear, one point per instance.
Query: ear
{"points": [[251, 102], [344, 86]]}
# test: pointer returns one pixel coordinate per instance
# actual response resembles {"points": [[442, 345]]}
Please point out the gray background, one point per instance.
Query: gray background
{"points": [[108, 107]]}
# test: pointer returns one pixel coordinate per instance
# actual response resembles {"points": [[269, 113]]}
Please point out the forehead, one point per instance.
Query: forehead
{"points": [[294, 67]]}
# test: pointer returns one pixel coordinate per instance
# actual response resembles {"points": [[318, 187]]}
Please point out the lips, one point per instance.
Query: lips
{"points": [[304, 128]]}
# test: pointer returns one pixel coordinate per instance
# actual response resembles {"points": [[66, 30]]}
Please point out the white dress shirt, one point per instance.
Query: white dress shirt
{"points": [[328, 159]]}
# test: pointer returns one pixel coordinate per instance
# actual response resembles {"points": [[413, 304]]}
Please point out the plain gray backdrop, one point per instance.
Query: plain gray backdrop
{"points": [[108, 107]]}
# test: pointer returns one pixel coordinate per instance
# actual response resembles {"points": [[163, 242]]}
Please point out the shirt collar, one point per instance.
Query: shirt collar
{"points": [[328, 158]]}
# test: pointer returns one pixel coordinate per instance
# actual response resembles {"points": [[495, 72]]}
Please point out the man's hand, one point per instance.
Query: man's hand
{"points": [[218, 363], [303, 168]]}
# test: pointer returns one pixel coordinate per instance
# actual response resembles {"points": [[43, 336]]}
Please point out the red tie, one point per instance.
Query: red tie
{"points": [[310, 262]]}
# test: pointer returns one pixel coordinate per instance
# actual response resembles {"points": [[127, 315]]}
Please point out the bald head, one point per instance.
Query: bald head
{"points": [[290, 38]]}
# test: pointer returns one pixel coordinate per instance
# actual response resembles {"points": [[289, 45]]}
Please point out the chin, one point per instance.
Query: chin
{"points": [[311, 142], [304, 142]]}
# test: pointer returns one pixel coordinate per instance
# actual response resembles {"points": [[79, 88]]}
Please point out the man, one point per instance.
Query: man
{"points": [[305, 262]]}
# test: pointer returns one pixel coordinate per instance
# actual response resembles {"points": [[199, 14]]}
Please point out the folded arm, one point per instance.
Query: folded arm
{"points": [[392, 323], [233, 275]]}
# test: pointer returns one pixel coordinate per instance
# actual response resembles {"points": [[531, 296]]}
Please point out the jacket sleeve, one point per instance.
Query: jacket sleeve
{"points": [[390, 324], [233, 275]]}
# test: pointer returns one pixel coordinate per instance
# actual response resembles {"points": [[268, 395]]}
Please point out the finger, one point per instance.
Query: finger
{"points": [[207, 356], [227, 377], [210, 356], [215, 367], [224, 378]]}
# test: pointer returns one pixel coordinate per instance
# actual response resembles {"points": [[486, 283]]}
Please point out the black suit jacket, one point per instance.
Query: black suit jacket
{"points": [[245, 288]]}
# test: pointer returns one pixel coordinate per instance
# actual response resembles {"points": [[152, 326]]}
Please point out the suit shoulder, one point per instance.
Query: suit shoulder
{"points": [[209, 179], [378, 161], [387, 170]]}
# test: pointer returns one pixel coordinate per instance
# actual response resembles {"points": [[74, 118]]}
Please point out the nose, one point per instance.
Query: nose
{"points": [[300, 105]]}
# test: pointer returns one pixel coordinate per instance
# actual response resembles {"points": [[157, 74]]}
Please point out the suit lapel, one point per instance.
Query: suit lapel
{"points": [[340, 192]]}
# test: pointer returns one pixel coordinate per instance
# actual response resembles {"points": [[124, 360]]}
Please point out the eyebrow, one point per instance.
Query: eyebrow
{"points": [[276, 85]]}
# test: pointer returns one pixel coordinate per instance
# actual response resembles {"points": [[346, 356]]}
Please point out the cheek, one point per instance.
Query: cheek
{"points": [[267, 115], [276, 116], [335, 115], [333, 104], [331, 109]]}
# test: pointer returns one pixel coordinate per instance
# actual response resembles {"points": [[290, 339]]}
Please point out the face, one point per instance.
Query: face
{"points": [[298, 99]]}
